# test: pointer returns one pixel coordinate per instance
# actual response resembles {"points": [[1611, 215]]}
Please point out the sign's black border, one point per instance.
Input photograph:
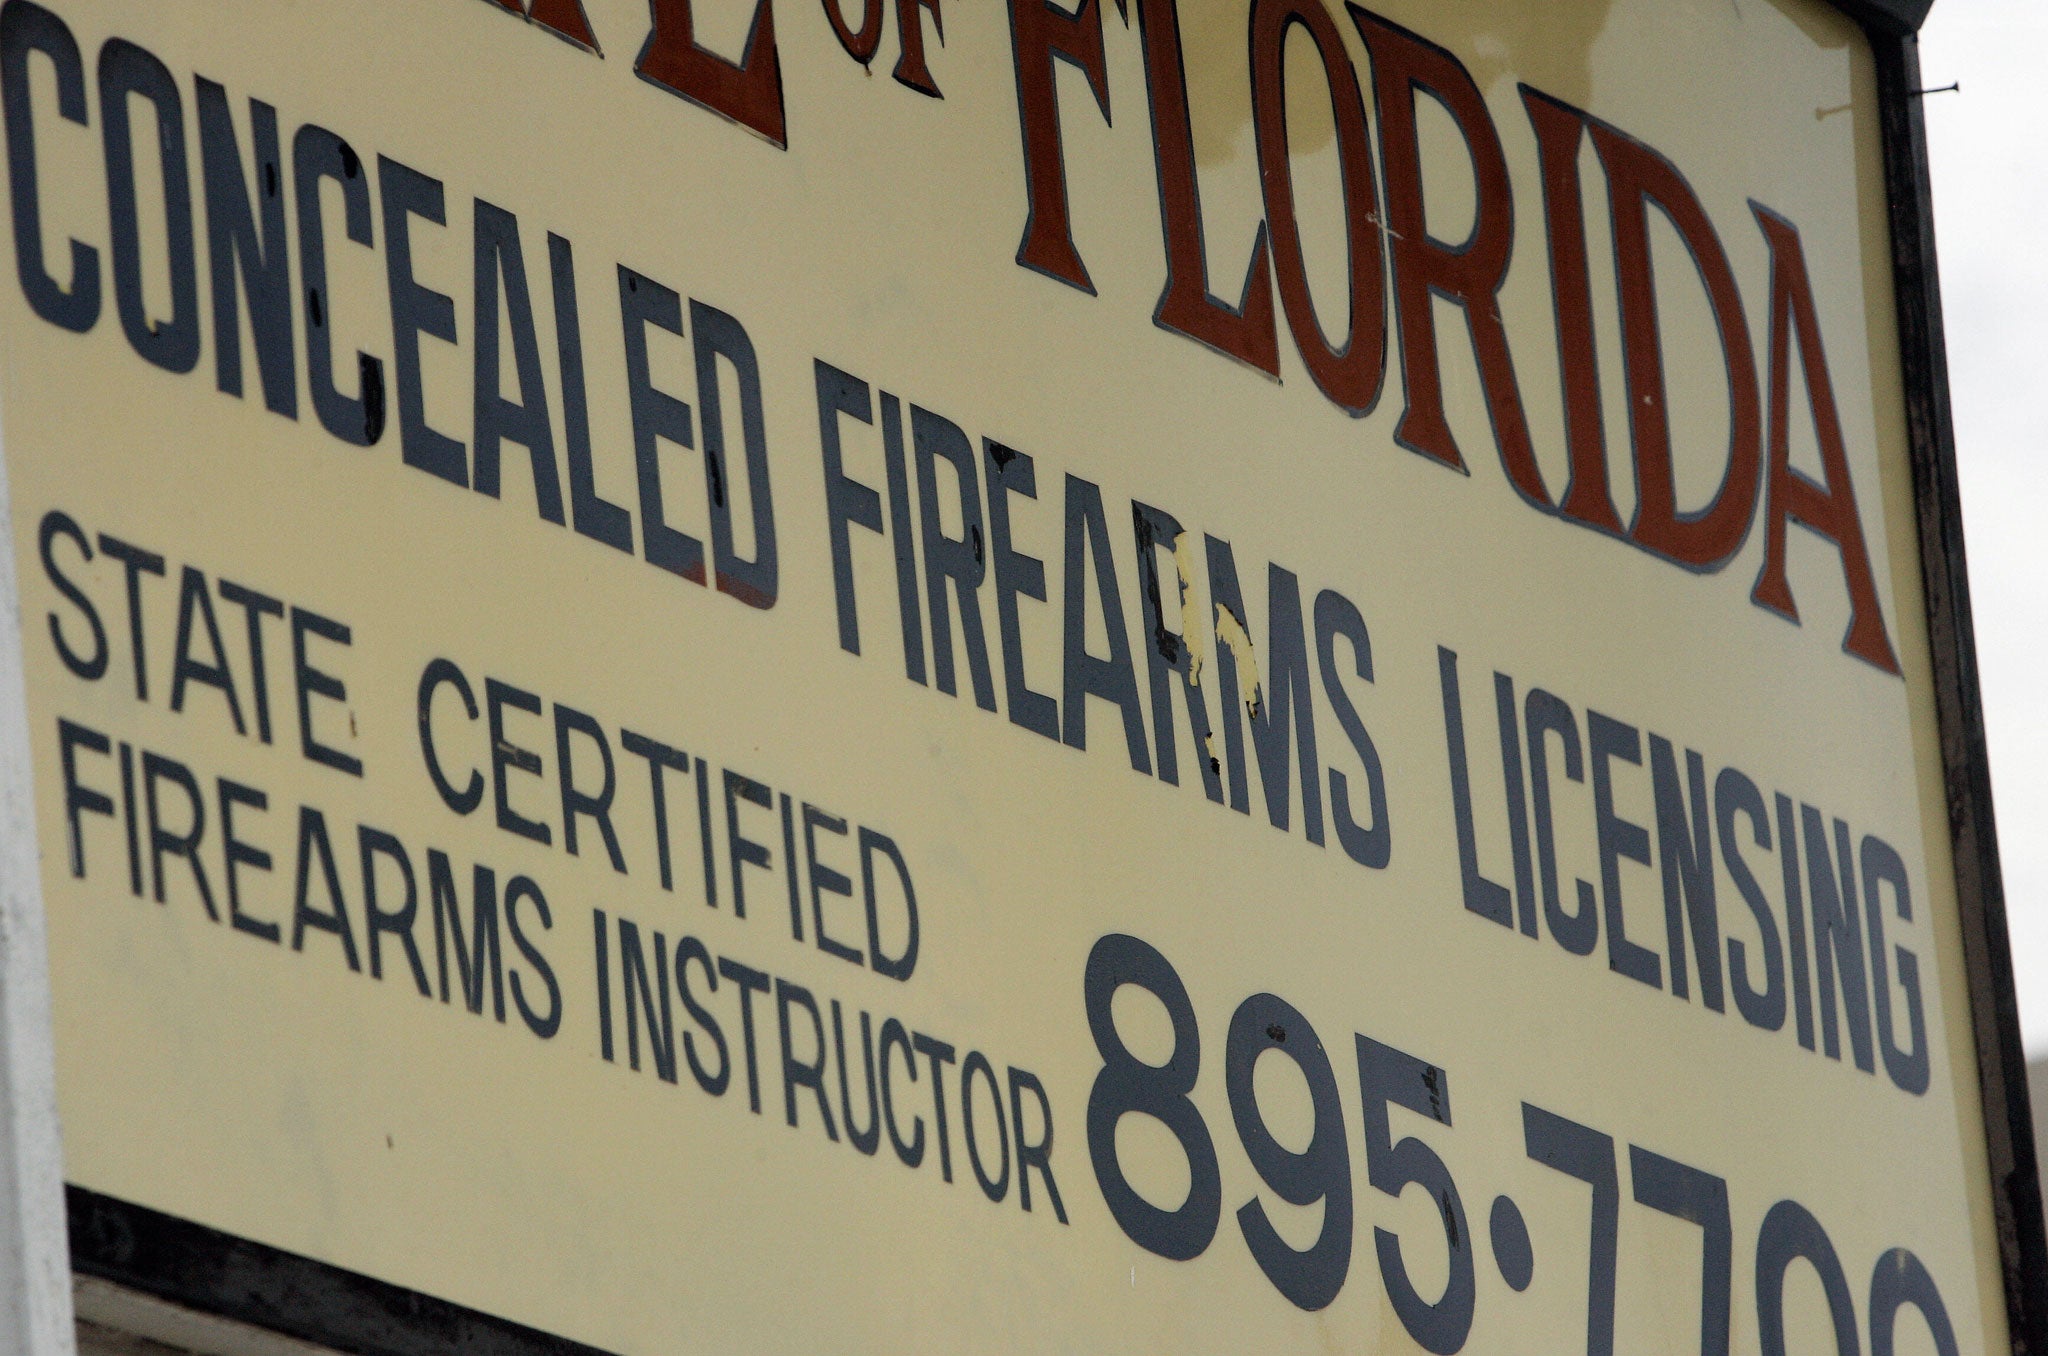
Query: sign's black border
{"points": [[1966, 766], [208, 1270], [1886, 18], [205, 1269]]}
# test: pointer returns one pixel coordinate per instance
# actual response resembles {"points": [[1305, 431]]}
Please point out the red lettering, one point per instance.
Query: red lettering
{"points": [[1040, 31], [749, 92], [1559, 131], [1246, 331], [1349, 375], [1403, 65], [910, 67], [860, 46], [565, 17], [1828, 508], [1636, 177]]}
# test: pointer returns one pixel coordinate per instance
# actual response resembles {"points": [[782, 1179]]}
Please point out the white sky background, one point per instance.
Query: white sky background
{"points": [[1991, 215]]}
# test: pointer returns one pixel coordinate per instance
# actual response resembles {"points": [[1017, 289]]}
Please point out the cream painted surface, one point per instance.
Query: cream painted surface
{"points": [[312, 1107]]}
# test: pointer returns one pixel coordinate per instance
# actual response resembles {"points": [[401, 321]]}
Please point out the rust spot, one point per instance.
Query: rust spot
{"points": [[372, 373], [714, 469]]}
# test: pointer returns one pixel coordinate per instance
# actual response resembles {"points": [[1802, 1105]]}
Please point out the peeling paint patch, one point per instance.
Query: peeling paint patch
{"points": [[1230, 630], [1190, 614]]}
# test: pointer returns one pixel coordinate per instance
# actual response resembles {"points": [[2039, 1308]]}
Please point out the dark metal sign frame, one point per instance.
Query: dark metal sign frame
{"points": [[238, 1279], [1886, 18], [1966, 766]]}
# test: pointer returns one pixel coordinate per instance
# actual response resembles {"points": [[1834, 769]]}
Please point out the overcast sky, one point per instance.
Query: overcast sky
{"points": [[1991, 214]]}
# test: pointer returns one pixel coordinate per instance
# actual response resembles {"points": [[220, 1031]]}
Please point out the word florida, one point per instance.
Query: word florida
{"points": [[1388, 246]]}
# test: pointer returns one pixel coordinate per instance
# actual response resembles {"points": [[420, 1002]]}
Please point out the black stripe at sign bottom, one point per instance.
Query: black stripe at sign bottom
{"points": [[217, 1273]]}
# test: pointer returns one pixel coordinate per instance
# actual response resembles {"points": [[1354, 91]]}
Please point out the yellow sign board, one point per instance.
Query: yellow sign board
{"points": [[727, 677]]}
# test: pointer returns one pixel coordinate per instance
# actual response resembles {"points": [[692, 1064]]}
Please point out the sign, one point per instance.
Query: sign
{"points": [[1247, 674]]}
